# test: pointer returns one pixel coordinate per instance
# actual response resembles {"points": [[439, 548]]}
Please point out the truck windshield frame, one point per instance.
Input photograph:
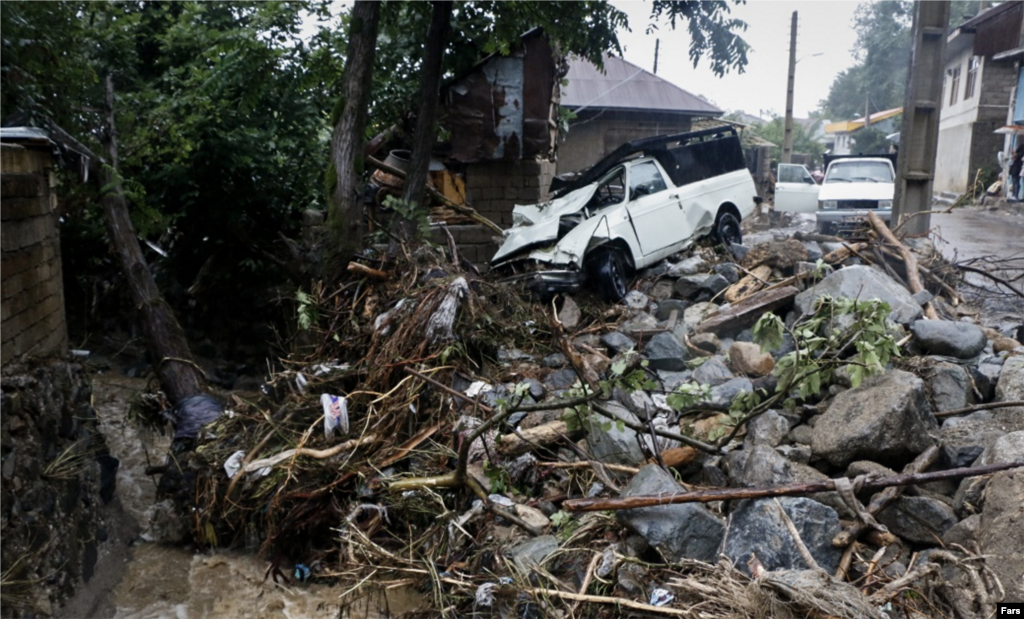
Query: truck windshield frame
{"points": [[860, 171]]}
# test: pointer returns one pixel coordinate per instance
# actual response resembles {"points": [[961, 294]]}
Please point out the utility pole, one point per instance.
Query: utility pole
{"points": [[657, 44], [787, 135], [920, 135]]}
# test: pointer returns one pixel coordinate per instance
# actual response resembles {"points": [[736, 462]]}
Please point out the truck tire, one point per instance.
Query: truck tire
{"points": [[609, 272], [727, 229]]}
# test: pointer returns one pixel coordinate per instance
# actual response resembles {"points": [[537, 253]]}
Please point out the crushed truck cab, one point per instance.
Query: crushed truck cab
{"points": [[645, 201]]}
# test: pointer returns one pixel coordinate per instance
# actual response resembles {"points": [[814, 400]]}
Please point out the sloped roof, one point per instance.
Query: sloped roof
{"points": [[846, 126], [625, 86]]}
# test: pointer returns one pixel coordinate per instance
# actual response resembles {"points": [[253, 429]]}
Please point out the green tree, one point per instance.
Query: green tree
{"points": [[803, 140]]}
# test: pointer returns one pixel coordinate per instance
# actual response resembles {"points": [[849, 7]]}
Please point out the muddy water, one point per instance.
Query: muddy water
{"points": [[164, 581]]}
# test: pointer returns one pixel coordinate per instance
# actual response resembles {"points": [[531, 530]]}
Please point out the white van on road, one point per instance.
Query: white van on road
{"points": [[853, 185]]}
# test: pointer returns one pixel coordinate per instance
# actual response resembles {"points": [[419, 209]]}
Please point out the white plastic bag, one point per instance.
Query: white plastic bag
{"points": [[335, 414]]}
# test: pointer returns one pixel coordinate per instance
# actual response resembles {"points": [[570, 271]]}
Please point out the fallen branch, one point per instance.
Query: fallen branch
{"points": [[686, 440], [913, 274], [319, 454], [583, 464], [979, 407], [995, 278], [362, 269], [731, 494], [601, 599]]}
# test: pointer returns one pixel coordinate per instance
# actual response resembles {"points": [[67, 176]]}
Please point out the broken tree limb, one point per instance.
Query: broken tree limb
{"points": [[754, 280], [686, 440], [362, 269], [979, 407], [319, 454], [826, 485], [844, 252], [913, 274], [999, 280], [464, 210], [746, 312], [522, 441]]}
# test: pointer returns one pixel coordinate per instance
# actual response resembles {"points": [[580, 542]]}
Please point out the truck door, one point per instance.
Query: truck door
{"points": [[795, 190]]}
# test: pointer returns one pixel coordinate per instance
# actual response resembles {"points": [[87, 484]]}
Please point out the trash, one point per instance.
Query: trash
{"points": [[301, 572], [234, 464], [335, 414], [477, 388], [485, 594], [498, 499], [301, 382], [661, 597]]}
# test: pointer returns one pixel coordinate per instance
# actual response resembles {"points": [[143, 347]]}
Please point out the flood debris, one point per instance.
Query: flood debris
{"points": [[700, 449]]}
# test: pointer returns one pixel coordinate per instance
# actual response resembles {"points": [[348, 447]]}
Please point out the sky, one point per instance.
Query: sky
{"points": [[824, 27]]}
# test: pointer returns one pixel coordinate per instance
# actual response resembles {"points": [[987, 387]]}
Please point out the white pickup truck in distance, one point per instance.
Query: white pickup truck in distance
{"points": [[853, 185], [645, 201]]}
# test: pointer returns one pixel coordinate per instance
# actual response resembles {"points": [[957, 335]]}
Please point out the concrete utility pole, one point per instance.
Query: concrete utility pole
{"points": [[920, 135], [787, 135]]}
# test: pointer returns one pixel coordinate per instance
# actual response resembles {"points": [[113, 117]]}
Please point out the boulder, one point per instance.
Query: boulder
{"points": [[961, 340], [728, 270], [769, 429], [618, 342], [570, 314], [665, 352], [683, 531], [964, 532], [1001, 531], [689, 266], [985, 377], [725, 392], [761, 466], [641, 321], [862, 282], [1010, 387], [689, 286], [748, 359], [758, 527], [611, 443], [886, 419], [707, 342], [713, 372], [971, 495], [918, 519], [814, 252], [666, 307], [671, 380], [950, 386]]}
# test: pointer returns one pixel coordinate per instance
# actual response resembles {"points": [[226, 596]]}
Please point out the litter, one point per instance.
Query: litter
{"points": [[335, 415]]}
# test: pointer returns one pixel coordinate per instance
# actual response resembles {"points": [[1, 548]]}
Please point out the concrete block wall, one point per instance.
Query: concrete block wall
{"points": [[590, 139], [494, 187], [999, 79], [32, 297]]}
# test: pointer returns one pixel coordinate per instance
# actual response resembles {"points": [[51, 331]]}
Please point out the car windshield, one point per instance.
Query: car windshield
{"points": [[858, 172]]}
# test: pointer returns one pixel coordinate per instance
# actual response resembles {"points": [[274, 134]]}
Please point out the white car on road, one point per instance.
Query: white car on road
{"points": [[853, 185], [647, 200]]}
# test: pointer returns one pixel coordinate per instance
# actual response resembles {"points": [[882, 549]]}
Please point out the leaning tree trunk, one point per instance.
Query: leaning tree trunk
{"points": [[423, 139], [179, 376], [346, 214]]}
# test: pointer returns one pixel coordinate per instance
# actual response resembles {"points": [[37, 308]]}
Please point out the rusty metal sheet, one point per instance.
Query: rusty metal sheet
{"points": [[1000, 33]]}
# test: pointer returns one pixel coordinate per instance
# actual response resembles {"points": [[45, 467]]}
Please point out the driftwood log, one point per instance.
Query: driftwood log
{"points": [[913, 272], [729, 494], [746, 312]]}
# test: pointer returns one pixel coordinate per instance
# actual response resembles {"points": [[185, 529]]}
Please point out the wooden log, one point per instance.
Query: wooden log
{"points": [[518, 443], [730, 494], [844, 252], [746, 312], [913, 273], [752, 282], [362, 269]]}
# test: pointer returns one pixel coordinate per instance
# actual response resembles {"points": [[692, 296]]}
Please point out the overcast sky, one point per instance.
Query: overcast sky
{"points": [[825, 27]]}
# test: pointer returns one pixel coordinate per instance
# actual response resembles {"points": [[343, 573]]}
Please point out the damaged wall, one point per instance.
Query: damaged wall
{"points": [[33, 293], [56, 527]]}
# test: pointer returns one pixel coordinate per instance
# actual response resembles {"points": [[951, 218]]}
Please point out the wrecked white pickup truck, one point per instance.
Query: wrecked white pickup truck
{"points": [[647, 200]]}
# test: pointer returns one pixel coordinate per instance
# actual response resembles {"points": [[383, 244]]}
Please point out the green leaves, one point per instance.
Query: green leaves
{"points": [[768, 332], [688, 395]]}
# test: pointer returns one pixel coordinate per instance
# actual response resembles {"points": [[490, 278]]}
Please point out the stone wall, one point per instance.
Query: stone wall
{"points": [[32, 288], [56, 527]]}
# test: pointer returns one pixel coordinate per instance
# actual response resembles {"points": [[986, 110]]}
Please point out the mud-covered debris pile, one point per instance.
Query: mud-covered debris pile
{"points": [[443, 432]]}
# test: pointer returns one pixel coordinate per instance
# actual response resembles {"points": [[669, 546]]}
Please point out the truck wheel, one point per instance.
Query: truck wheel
{"points": [[610, 272], [727, 229]]}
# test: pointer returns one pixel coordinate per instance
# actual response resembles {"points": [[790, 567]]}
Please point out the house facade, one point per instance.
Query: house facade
{"points": [[979, 83], [623, 103]]}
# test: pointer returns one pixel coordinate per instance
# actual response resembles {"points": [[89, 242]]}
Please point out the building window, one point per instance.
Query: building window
{"points": [[954, 85], [972, 76]]}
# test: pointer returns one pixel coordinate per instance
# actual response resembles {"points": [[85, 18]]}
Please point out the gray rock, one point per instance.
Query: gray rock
{"points": [[618, 342], [533, 552], [801, 454], [1008, 448], [922, 297], [886, 419], [758, 527], [537, 390], [918, 519], [683, 531], [713, 372], [1010, 387], [698, 313], [690, 266], [666, 307], [1001, 530], [671, 380], [802, 434], [642, 321], [508, 355], [556, 360], [725, 392], [738, 251], [729, 271], [665, 352], [708, 342], [714, 284], [661, 291], [611, 444], [761, 466], [949, 385], [862, 282], [636, 300], [814, 252], [689, 286], [769, 429], [570, 314], [952, 339], [561, 379], [986, 376], [829, 246], [964, 532]]}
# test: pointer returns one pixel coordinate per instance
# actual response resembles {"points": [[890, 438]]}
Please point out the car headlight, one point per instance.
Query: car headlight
{"points": [[828, 205], [885, 204]]}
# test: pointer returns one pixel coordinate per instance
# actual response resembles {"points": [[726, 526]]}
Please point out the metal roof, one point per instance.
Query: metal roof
{"points": [[625, 86], [23, 133], [847, 126]]}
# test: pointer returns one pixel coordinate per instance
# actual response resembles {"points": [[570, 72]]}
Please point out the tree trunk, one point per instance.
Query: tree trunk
{"points": [[179, 376], [347, 141], [423, 138]]}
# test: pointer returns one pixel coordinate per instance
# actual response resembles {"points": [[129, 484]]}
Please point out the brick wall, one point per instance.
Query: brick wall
{"points": [[32, 298], [494, 187]]}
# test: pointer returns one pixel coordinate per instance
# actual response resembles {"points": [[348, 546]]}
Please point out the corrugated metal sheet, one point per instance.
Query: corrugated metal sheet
{"points": [[846, 126], [625, 86]]}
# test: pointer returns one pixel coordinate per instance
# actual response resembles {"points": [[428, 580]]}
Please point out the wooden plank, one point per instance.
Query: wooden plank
{"points": [[746, 312]]}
